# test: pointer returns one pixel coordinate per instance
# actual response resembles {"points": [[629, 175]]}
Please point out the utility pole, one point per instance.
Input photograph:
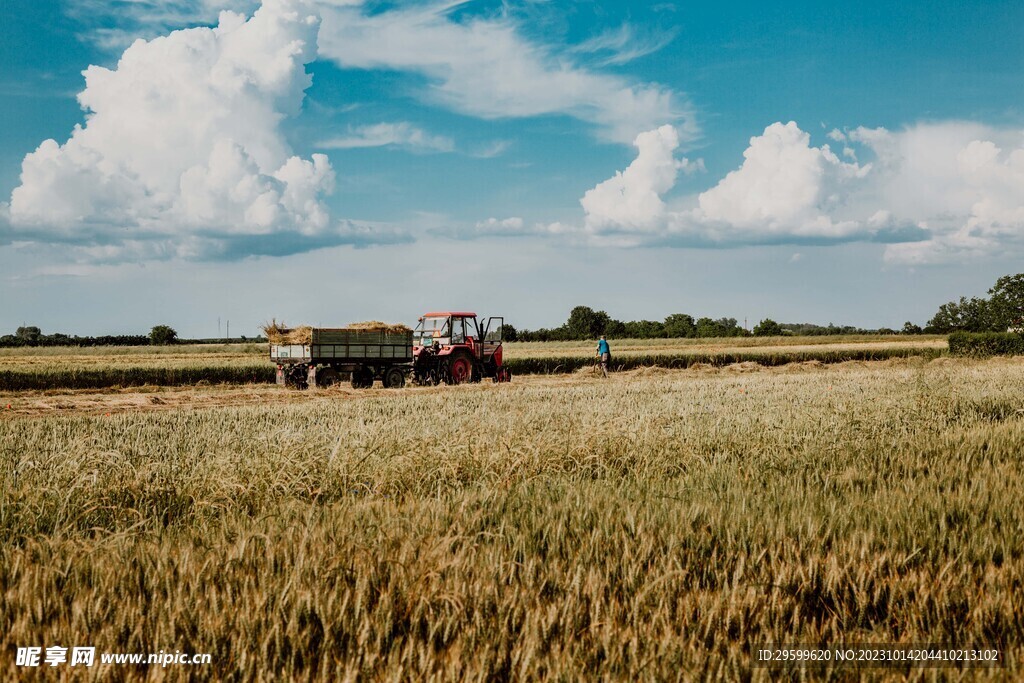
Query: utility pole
{"points": [[229, 331], [218, 325]]}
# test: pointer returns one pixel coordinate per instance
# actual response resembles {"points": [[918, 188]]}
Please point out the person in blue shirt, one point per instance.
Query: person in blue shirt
{"points": [[604, 352]]}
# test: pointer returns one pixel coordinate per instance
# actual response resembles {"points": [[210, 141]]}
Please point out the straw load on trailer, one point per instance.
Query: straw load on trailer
{"points": [[321, 356]]}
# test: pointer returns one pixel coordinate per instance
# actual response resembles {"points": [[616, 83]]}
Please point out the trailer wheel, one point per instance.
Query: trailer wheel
{"points": [[326, 377], [362, 378], [394, 378]]}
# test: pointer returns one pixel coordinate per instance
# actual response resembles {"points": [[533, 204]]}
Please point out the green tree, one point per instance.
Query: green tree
{"points": [[723, 327], [970, 315], [911, 328], [680, 325], [615, 328], [509, 333], [644, 329], [706, 327], [29, 335], [162, 335], [586, 323], [767, 328], [1006, 302]]}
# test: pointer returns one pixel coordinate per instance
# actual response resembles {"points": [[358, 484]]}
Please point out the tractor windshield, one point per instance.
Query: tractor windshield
{"points": [[432, 329]]}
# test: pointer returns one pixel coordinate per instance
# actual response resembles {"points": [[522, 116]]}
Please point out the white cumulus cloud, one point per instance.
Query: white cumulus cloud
{"points": [[932, 192], [631, 200], [963, 183], [786, 189], [182, 146], [786, 186]]}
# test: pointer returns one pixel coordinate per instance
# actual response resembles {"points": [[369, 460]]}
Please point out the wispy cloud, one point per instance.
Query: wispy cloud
{"points": [[113, 26], [487, 68], [401, 134], [490, 150], [625, 44]]}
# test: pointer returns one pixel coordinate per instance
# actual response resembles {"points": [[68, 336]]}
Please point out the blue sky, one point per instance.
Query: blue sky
{"points": [[854, 163]]}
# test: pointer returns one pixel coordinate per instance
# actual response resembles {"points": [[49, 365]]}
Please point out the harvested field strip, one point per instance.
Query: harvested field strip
{"points": [[621, 350], [70, 377], [551, 365], [720, 343]]}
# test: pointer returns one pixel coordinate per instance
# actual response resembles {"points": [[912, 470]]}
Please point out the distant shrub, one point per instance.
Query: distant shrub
{"points": [[59, 339], [986, 344]]}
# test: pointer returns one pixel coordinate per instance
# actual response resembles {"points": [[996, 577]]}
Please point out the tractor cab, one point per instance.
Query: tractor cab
{"points": [[453, 347], [451, 328]]}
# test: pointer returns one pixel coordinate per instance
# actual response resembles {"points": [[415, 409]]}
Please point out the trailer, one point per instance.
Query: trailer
{"points": [[331, 355]]}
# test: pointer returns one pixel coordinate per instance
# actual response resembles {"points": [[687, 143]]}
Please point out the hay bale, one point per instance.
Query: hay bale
{"points": [[279, 333], [378, 326], [745, 366], [803, 366]]}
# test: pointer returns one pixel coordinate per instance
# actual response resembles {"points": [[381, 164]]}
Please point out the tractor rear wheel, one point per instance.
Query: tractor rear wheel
{"points": [[461, 368], [394, 378]]}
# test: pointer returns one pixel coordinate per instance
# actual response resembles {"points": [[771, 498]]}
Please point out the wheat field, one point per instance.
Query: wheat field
{"points": [[655, 526]]}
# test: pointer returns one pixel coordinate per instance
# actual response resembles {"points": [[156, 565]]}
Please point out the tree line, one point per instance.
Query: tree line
{"points": [[33, 336], [160, 335], [586, 323], [30, 335]]}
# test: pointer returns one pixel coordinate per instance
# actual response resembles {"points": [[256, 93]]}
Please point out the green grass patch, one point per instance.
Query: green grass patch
{"points": [[127, 376]]}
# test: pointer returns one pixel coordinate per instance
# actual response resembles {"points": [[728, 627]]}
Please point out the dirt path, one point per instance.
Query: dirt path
{"points": [[71, 402]]}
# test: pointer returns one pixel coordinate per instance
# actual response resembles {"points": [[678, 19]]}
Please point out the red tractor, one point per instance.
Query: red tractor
{"points": [[452, 347]]}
